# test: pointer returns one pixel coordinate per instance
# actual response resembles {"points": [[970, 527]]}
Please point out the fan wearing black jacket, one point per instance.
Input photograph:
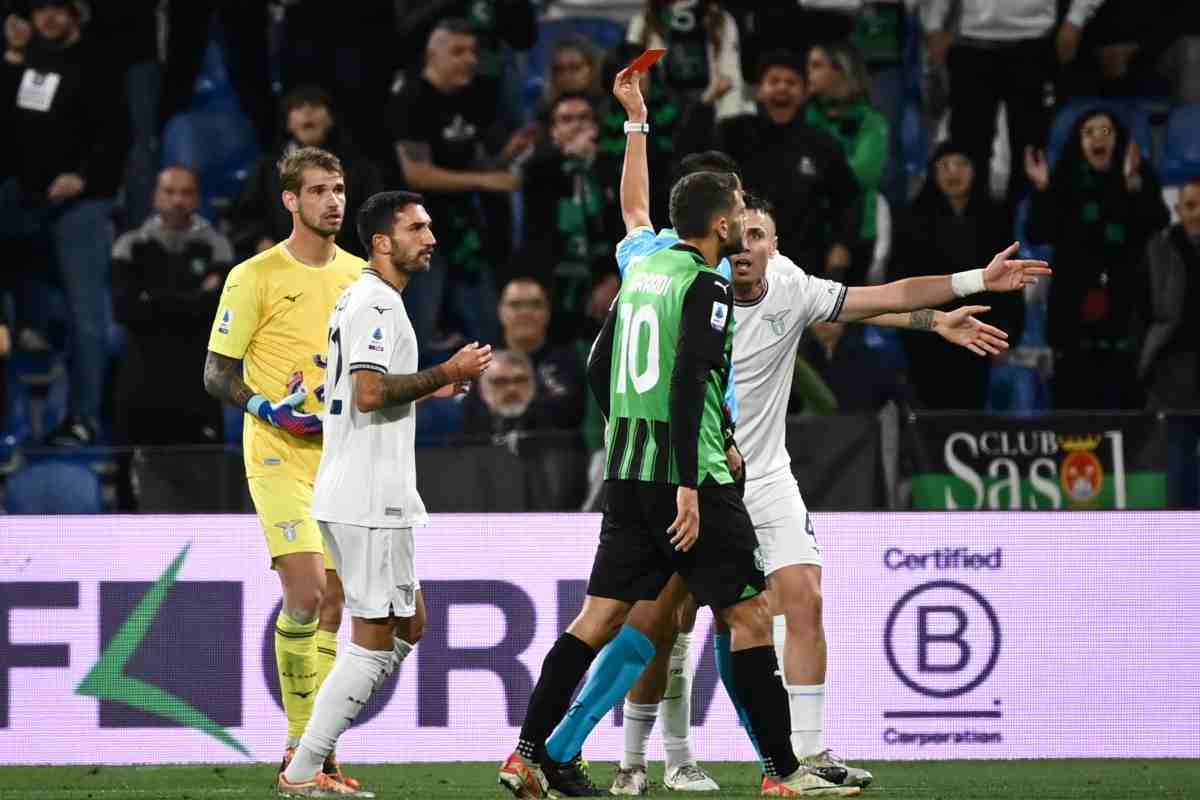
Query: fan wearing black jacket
{"points": [[63, 107]]}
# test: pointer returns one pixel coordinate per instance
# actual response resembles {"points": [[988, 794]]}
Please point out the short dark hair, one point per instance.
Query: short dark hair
{"points": [[378, 214], [756, 202], [782, 58], [455, 25], [697, 198], [306, 96], [564, 97], [707, 161], [293, 164]]}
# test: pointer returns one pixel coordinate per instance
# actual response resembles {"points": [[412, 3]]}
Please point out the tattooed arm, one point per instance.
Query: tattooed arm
{"points": [[958, 327], [223, 380], [375, 390], [925, 319]]}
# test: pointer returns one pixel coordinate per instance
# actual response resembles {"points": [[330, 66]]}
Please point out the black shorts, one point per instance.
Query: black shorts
{"points": [[635, 557]]}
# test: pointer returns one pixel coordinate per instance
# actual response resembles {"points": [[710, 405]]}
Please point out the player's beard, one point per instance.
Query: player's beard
{"points": [[733, 245], [316, 226], [413, 264]]}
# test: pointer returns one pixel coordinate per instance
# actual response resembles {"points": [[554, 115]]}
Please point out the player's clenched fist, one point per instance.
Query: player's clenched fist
{"points": [[470, 362]]}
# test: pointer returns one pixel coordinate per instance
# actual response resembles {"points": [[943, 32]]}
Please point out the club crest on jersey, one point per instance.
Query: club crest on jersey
{"points": [[720, 312], [226, 322], [376, 342], [777, 321], [289, 528]]}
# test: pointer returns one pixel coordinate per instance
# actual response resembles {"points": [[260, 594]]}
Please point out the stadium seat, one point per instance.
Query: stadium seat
{"points": [[1130, 114], [877, 272], [54, 486], [440, 419], [220, 146], [1181, 145]]}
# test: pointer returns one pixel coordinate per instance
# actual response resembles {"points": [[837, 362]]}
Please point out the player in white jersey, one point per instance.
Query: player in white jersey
{"points": [[366, 499]]}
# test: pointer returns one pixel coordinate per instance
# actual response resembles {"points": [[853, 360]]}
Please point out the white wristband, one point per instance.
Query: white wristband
{"points": [[967, 282], [637, 127]]}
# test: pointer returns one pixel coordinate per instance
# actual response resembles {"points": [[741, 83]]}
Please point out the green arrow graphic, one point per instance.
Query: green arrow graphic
{"points": [[108, 681]]}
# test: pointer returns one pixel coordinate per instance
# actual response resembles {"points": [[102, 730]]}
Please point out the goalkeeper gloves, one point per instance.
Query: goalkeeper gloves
{"points": [[283, 414]]}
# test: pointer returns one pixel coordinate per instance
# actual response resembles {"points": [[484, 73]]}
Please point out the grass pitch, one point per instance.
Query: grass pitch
{"points": [[928, 780]]}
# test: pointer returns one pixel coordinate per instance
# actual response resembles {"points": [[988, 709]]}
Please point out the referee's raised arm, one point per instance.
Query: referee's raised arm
{"points": [[635, 173]]}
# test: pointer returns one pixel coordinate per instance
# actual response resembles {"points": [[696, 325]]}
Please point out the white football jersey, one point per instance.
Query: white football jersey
{"points": [[765, 338], [368, 473]]}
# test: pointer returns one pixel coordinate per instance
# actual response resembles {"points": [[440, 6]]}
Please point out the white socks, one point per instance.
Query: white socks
{"points": [[639, 721], [780, 639], [807, 704], [676, 707], [677, 704], [344, 693]]}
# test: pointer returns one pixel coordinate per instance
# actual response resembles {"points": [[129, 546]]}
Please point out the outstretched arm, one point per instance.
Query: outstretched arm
{"points": [[959, 327], [1003, 274], [635, 174]]}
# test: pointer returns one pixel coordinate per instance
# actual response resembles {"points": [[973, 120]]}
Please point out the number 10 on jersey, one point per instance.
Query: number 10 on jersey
{"points": [[644, 376]]}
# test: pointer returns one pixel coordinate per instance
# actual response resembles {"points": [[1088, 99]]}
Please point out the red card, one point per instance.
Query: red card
{"points": [[648, 59]]}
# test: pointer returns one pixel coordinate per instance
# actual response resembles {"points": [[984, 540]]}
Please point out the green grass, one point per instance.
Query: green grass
{"points": [[927, 780]]}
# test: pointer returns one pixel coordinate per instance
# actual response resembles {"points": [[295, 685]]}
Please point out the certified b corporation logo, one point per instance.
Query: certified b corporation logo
{"points": [[942, 639]]}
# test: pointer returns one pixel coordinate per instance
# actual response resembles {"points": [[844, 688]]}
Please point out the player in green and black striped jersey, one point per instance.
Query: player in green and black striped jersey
{"points": [[659, 370]]}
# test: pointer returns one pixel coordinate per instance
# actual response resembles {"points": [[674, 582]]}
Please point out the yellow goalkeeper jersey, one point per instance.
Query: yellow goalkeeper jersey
{"points": [[274, 315]]}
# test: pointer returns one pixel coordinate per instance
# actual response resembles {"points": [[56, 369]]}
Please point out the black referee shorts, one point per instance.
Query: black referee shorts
{"points": [[635, 557]]}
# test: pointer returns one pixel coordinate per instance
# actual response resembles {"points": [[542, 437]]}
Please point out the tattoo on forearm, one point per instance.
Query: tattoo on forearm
{"points": [[922, 320], [223, 380], [400, 390]]}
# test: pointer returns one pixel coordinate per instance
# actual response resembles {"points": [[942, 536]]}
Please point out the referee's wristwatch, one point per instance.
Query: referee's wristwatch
{"points": [[637, 127]]}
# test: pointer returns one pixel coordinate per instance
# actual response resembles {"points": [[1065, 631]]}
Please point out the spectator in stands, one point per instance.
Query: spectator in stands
{"points": [[187, 37], [508, 400], [702, 51], [130, 31], [497, 26], [1001, 53], [352, 51], [801, 169], [1169, 364], [860, 378], [441, 124], [575, 66], [167, 277], [65, 111], [1139, 47], [260, 220], [839, 104], [569, 205], [952, 224], [1097, 209], [792, 27], [525, 319]]}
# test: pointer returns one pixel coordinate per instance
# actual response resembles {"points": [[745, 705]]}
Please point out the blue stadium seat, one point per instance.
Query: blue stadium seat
{"points": [[1181, 145], [438, 420], [234, 421], [221, 146], [1132, 115], [54, 486], [604, 33]]}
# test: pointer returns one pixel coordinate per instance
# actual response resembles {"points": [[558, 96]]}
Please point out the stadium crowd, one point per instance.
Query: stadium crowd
{"points": [[894, 138]]}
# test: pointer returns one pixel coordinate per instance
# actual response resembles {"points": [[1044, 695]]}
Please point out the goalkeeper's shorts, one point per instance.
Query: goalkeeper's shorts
{"points": [[284, 507]]}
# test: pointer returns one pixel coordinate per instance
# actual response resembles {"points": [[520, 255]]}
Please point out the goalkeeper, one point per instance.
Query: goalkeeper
{"points": [[268, 344]]}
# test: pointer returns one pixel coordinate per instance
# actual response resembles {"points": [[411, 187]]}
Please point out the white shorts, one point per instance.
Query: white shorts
{"points": [[376, 568], [781, 521]]}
